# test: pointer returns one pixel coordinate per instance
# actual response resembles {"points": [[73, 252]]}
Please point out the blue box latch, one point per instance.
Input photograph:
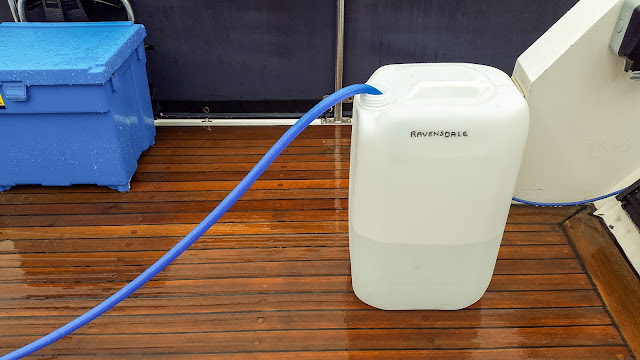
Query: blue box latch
{"points": [[15, 91]]}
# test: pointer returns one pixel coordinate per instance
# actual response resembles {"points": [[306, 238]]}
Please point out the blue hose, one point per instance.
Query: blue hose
{"points": [[211, 219], [568, 203]]}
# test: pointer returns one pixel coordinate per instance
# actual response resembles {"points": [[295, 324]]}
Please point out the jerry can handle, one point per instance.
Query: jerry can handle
{"points": [[451, 89]]}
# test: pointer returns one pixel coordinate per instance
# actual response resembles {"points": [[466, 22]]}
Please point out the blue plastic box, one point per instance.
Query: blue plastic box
{"points": [[75, 105]]}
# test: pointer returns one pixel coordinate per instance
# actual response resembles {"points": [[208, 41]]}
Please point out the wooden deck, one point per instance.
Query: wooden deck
{"points": [[271, 280]]}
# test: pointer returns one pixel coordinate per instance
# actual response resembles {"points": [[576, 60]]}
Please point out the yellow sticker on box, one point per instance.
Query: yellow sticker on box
{"points": [[1, 103]]}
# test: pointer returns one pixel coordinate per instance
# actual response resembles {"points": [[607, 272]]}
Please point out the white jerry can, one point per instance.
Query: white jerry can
{"points": [[434, 162]]}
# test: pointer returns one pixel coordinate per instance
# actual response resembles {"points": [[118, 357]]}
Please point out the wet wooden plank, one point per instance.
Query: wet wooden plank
{"points": [[233, 143], [197, 186], [248, 269], [168, 196], [254, 132], [175, 207], [172, 218], [168, 304], [26, 246], [239, 175], [334, 165], [301, 340], [249, 149], [519, 214], [326, 319], [269, 285], [134, 231], [191, 217], [566, 353], [612, 275], [222, 255], [234, 158], [58, 214]]}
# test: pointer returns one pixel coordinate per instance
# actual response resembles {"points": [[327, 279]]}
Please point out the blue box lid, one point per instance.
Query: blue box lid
{"points": [[65, 53]]}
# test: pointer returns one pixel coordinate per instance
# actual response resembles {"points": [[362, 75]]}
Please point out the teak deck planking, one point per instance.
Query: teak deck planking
{"points": [[271, 280]]}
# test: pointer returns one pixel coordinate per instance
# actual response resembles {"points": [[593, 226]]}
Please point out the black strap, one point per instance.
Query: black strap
{"points": [[53, 10], [73, 10], [61, 10]]}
